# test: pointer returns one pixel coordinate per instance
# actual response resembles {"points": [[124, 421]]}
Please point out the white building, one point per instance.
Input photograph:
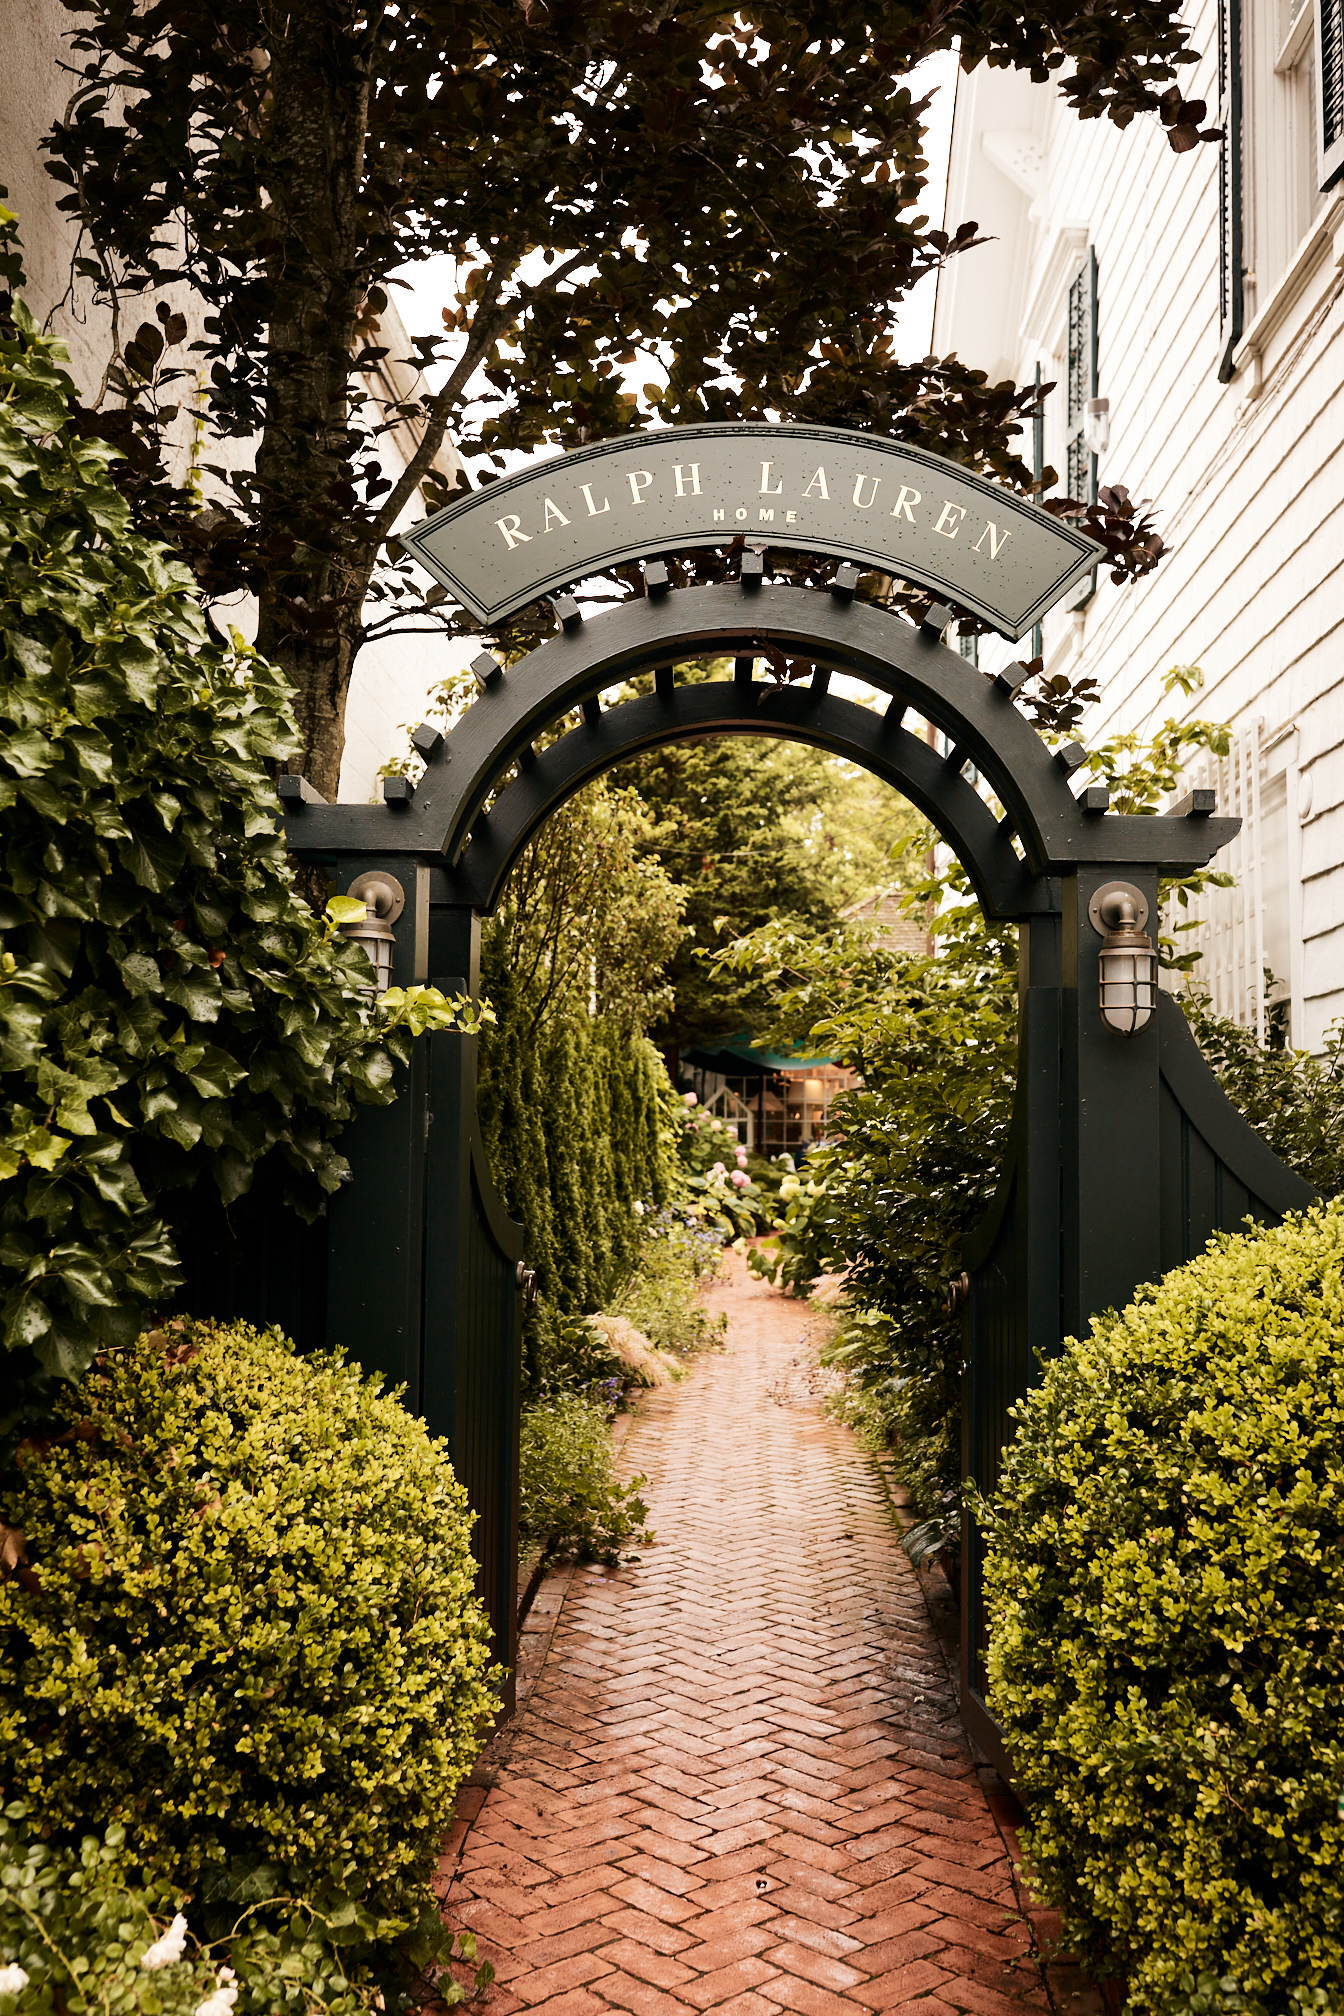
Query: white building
{"points": [[1202, 295], [394, 676]]}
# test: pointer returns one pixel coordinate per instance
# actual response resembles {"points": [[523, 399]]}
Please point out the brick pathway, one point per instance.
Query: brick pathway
{"points": [[738, 1781]]}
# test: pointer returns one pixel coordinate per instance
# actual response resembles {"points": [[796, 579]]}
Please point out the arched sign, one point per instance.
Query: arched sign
{"points": [[816, 489]]}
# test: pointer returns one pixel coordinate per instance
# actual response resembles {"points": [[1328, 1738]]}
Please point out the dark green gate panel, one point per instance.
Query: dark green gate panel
{"points": [[472, 1343], [255, 1262], [1012, 1308], [1213, 1173], [1216, 1170]]}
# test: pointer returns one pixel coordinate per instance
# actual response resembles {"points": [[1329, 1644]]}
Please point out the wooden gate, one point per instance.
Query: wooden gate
{"points": [[1208, 1172], [1124, 1154]]}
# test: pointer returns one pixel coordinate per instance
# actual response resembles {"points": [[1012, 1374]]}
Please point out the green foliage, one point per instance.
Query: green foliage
{"points": [[591, 919], [562, 1354], [572, 1123], [755, 833], [1294, 1101], [935, 1044], [170, 1012], [571, 1496], [574, 1100], [82, 1934], [246, 1631], [679, 1256], [1166, 1591]]}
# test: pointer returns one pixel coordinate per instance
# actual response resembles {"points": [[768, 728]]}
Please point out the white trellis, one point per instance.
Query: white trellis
{"points": [[1240, 930], [1232, 921]]}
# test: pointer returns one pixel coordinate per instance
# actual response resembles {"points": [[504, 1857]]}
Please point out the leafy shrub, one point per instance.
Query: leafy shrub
{"points": [[170, 1010], [246, 1631], [1166, 1591], [571, 1495], [83, 1934], [934, 1042], [662, 1297], [1294, 1101], [562, 1354]]}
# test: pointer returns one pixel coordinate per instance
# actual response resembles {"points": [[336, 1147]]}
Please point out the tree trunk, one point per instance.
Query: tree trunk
{"points": [[320, 664], [310, 607]]}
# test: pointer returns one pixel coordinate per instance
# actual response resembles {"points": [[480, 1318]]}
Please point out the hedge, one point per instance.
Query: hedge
{"points": [[1165, 1580], [246, 1631], [576, 1118]]}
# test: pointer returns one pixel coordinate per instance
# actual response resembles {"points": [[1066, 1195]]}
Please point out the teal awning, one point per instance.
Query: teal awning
{"points": [[739, 1057]]}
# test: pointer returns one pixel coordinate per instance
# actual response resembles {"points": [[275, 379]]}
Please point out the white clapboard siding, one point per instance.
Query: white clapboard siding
{"points": [[1247, 477]]}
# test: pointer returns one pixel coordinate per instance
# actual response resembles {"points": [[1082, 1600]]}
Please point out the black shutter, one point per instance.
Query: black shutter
{"points": [[1330, 89], [1230, 264], [1038, 470], [1081, 382]]}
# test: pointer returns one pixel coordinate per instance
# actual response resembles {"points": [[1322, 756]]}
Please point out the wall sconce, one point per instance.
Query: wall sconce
{"points": [[1097, 426], [1127, 964], [384, 900]]}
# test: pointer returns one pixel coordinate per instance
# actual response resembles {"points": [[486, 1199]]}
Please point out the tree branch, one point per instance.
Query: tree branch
{"points": [[496, 317]]}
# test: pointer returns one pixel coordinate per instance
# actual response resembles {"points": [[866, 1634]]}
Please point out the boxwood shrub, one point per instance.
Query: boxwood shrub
{"points": [[1166, 1592], [246, 1631]]}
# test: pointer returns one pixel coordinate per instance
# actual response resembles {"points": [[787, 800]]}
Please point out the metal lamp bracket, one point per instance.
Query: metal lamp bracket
{"points": [[389, 898], [1103, 909]]}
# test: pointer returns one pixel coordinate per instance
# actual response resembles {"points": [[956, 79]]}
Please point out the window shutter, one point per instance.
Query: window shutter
{"points": [[1081, 472], [1330, 89], [1230, 264], [1081, 384]]}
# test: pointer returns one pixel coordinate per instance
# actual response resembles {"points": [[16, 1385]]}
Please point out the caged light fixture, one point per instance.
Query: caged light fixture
{"points": [[1127, 964], [384, 900]]}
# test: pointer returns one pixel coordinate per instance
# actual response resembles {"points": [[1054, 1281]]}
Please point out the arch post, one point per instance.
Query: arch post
{"points": [[1110, 1174], [376, 1219]]}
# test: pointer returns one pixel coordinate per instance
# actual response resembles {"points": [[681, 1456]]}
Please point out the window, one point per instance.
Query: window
{"points": [[1281, 108], [1251, 934], [1080, 385]]}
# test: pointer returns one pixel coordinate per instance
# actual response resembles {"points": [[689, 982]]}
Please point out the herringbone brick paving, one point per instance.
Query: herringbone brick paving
{"points": [[739, 1782]]}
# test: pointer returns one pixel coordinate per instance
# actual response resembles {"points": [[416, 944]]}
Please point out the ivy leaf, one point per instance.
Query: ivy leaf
{"points": [[153, 865], [141, 973]]}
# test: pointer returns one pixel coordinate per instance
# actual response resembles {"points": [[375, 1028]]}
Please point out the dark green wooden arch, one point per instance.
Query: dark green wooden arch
{"points": [[655, 632]]}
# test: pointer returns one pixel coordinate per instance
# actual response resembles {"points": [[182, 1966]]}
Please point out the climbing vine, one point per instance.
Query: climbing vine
{"points": [[170, 1011]]}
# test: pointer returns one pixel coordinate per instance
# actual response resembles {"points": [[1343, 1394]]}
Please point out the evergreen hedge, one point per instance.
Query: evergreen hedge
{"points": [[245, 1631], [576, 1118], [1165, 1580]]}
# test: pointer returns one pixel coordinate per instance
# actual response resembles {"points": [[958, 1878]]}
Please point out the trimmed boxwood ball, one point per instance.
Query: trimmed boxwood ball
{"points": [[247, 1631], [1165, 1581]]}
